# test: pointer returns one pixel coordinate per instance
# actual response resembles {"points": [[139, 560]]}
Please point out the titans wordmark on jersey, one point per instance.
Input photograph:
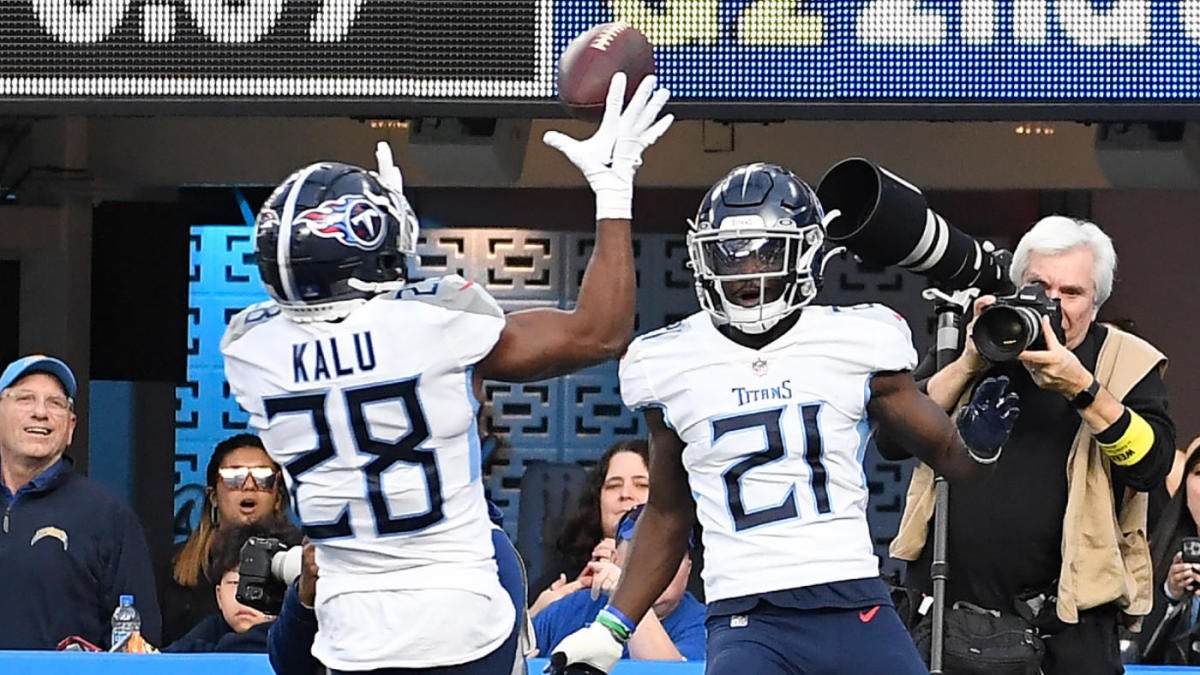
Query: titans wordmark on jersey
{"points": [[373, 419], [774, 440]]}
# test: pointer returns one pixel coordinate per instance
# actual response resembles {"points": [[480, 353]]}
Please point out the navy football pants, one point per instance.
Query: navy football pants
{"points": [[772, 640]]}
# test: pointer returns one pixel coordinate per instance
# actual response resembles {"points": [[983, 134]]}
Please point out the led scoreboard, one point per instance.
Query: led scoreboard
{"points": [[771, 59]]}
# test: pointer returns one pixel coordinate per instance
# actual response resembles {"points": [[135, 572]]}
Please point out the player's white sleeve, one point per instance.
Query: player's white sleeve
{"points": [[246, 319], [894, 349], [476, 321], [636, 392]]}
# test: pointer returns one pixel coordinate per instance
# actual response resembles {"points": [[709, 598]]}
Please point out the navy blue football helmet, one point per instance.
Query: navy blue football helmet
{"points": [[759, 223], [330, 237]]}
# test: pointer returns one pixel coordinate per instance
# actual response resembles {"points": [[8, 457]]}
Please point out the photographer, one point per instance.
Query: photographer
{"points": [[1063, 517], [1169, 631], [235, 627]]}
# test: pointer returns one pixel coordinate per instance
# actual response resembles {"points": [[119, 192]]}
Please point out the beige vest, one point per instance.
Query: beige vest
{"points": [[1105, 559]]}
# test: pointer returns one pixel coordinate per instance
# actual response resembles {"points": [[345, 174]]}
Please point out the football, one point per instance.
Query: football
{"points": [[589, 62]]}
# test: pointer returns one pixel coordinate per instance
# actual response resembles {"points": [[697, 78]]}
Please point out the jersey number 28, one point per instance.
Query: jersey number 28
{"points": [[404, 449]]}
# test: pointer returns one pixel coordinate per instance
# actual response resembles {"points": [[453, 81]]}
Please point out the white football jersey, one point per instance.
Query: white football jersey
{"points": [[373, 419], [774, 440]]}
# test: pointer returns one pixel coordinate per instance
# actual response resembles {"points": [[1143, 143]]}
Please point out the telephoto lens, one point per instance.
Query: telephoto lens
{"points": [[884, 220]]}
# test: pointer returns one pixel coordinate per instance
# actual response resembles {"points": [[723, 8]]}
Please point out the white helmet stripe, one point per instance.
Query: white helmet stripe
{"points": [[283, 245]]}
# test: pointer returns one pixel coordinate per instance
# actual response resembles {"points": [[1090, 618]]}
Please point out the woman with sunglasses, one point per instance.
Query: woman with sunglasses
{"points": [[244, 487]]}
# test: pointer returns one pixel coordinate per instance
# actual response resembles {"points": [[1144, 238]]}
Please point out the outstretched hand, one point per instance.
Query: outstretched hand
{"points": [[610, 157], [986, 422]]}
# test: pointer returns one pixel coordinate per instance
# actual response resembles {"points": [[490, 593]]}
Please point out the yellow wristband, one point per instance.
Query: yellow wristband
{"points": [[1133, 445]]}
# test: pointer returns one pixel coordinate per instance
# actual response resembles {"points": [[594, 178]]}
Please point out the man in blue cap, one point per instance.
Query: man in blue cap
{"points": [[672, 631], [68, 547]]}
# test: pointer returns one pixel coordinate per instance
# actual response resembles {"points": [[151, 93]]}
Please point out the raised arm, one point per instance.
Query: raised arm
{"points": [[661, 538], [541, 343], [659, 544], [959, 450]]}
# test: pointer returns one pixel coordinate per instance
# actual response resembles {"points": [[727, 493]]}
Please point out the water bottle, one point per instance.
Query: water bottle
{"points": [[125, 621]]}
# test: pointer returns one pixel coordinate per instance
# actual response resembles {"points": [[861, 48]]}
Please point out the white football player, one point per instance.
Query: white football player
{"points": [[759, 413], [364, 388]]}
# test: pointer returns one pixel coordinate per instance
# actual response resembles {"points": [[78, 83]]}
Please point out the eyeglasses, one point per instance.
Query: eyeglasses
{"points": [[28, 400], [265, 477]]}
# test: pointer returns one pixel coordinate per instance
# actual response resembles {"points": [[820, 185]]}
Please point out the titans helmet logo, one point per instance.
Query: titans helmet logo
{"points": [[350, 218]]}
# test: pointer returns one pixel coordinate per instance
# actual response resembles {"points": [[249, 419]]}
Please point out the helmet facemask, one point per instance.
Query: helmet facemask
{"points": [[752, 278]]}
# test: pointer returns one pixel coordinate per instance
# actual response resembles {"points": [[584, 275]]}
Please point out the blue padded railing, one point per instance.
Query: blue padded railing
{"points": [[257, 664]]}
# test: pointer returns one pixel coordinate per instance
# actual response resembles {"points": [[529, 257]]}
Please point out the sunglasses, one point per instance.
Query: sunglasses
{"points": [[265, 477]]}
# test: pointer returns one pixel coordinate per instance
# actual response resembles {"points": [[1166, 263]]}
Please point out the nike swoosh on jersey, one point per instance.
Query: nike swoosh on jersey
{"points": [[869, 614]]}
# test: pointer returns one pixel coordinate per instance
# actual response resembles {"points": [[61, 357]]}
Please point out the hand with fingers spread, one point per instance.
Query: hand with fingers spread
{"points": [[610, 158], [986, 422]]}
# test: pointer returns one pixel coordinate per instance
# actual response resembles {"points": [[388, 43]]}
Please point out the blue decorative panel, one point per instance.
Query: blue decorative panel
{"points": [[223, 280], [593, 417]]}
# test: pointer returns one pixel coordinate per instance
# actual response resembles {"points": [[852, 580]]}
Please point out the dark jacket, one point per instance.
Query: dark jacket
{"points": [[214, 635], [292, 636], [184, 607], [69, 549]]}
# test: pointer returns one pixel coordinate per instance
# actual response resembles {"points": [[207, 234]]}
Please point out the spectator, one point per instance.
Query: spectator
{"points": [[242, 487], [619, 481], [1168, 633], [1064, 514], [673, 631], [1161, 495], [68, 547], [234, 627]]}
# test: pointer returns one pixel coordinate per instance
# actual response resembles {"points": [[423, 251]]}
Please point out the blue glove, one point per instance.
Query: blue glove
{"points": [[986, 422]]}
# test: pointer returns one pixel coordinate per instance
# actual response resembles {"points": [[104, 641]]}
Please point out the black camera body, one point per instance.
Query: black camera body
{"points": [[259, 584], [1014, 324], [1190, 550]]}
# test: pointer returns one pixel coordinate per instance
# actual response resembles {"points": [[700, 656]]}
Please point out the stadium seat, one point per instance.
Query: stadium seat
{"points": [[550, 493]]}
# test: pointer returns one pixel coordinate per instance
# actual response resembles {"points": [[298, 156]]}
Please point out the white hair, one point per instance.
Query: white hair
{"points": [[1053, 235]]}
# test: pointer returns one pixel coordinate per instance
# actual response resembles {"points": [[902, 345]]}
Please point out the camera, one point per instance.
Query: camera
{"points": [[1014, 324], [884, 220], [265, 569], [1190, 549]]}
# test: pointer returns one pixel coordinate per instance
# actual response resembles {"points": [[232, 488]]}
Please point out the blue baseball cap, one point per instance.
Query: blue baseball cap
{"points": [[39, 363]]}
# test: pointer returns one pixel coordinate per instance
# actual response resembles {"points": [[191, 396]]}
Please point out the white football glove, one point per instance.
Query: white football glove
{"points": [[593, 645], [612, 155], [390, 176], [389, 173]]}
